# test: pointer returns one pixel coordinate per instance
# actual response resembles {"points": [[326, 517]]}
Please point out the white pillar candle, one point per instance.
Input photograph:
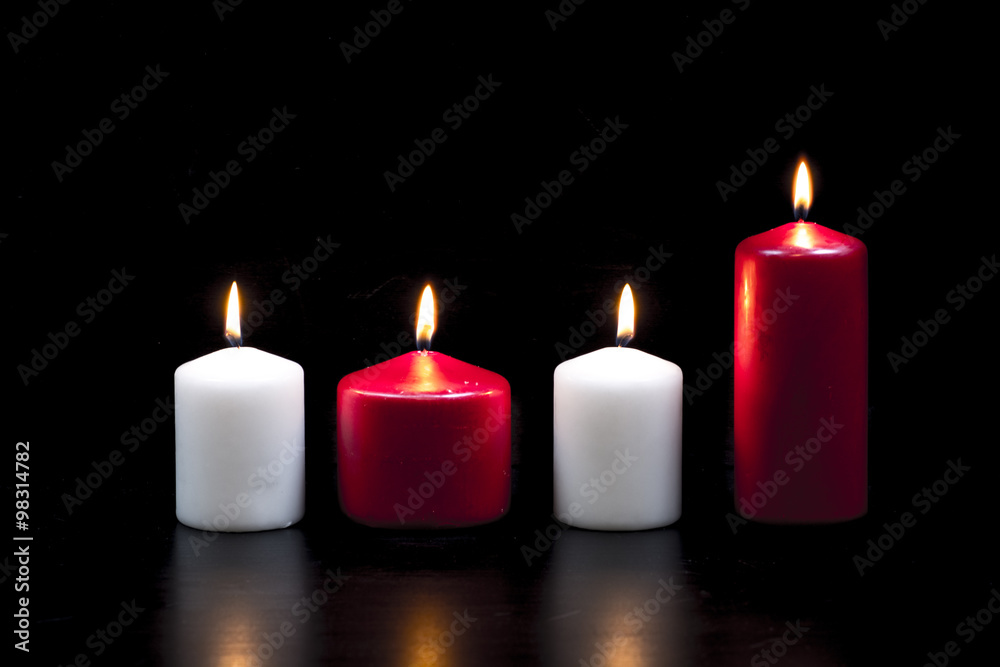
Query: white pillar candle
{"points": [[240, 437], [617, 432]]}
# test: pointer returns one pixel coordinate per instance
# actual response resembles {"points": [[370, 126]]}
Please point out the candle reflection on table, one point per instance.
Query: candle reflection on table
{"points": [[232, 599], [615, 599]]}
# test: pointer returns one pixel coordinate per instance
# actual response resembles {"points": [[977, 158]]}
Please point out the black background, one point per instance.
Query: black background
{"points": [[520, 292]]}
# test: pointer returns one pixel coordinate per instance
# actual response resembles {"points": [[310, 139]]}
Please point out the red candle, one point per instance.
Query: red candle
{"points": [[423, 440], [801, 373]]}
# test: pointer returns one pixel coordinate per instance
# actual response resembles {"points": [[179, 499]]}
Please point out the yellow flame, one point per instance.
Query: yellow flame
{"points": [[233, 316], [425, 319], [802, 199], [626, 316]]}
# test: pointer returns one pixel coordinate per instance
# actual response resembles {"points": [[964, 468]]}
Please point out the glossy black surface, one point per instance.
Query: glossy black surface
{"points": [[330, 592]]}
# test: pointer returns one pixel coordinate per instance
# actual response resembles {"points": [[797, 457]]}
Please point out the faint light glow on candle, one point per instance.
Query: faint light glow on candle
{"points": [[801, 236], [233, 318], [746, 307], [749, 297], [425, 319], [626, 317]]}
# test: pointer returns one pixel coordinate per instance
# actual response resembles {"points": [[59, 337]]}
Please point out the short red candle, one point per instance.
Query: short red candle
{"points": [[423, 441], [801, 375]]}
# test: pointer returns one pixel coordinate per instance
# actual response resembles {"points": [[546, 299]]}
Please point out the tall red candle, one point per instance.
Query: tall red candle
{"points": [[801, 374], [423, 440]]}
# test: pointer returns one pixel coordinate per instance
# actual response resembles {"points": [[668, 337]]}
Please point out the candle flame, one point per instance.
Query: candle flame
{"points": [[626, 317], [425, 319], [802, 197], [233, 318]]}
